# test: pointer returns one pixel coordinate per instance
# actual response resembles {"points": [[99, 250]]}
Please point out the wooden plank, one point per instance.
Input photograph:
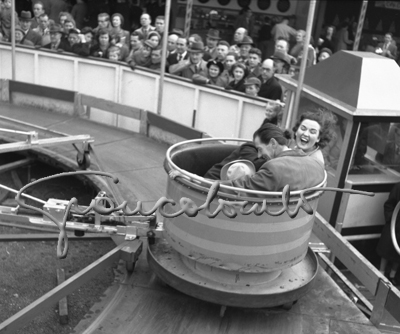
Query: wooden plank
{"points": [[116, 108], [49, 237], [379, 303], [12, 165], [393, 302], [43, 91], [173, 127], [23, 317], [62, 304], [347, 254]]}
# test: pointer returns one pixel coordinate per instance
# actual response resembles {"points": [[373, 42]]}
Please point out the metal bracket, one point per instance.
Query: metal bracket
{"points": [[131, 233]]}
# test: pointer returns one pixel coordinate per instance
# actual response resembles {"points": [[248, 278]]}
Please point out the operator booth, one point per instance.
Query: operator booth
{"points": [[361, 89]]}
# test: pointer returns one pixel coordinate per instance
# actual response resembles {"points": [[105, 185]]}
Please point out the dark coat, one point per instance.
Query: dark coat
{"points": [[239, 87], [271, 89], [247, 151], [34, 37], [291, 167]]}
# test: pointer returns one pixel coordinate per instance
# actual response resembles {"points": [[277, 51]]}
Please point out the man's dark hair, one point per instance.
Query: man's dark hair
{"points": [[268, 131], [256, 51]]}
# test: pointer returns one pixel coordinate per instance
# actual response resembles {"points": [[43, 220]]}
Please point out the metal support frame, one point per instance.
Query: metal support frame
{"points": [[23, 317]]}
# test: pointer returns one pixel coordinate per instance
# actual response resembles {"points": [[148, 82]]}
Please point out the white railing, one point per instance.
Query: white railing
{"points": [[211, 110]]}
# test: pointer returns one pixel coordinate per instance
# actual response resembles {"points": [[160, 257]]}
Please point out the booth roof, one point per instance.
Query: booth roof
{"points": [[363, 80]]}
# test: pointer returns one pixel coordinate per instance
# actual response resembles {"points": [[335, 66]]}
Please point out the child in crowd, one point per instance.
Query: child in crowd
{"points": [[113, 53], [252, 85]]}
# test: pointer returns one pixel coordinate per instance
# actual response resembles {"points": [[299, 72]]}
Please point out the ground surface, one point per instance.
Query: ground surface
{"points": [[28, 271]]}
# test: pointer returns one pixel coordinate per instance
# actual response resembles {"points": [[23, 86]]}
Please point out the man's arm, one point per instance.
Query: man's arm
{"points": [[263, 180], [179, 67]]}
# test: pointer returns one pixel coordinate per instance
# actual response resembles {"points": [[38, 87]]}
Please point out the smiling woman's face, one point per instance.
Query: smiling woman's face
{"points": [[307, 135]]}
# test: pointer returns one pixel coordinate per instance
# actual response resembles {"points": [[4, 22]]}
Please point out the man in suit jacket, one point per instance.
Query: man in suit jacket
{"points": [[145, 21], [270, 87], [180, 53], [389, 49], [30, 35], [194, 65]]}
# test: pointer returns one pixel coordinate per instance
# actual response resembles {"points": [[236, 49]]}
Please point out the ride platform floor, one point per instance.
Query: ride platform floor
{"points": [[139, 302]]}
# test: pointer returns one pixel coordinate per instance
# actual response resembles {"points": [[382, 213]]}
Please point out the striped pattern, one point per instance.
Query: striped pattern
{"points": [[246, 243]]}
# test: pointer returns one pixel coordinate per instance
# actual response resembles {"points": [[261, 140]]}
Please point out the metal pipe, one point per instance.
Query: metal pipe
{"points": [[310, 19], [24, 195], [362, 237], [163, 57], [360, 25], [12, 33]]}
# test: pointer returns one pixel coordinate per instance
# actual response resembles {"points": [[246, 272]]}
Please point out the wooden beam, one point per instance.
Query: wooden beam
{"points": [[12, 165], [347, 254], [393, 302], [116, 108], [26, 315], [62, 304], [33, 228], [44, 91], [49, 237]]}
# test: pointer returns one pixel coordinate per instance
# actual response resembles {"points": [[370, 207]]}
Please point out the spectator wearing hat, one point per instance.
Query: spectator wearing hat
{"points": [[212, 39], [180, 54], [117, 21], [75, 44], [30, 35], [245, 20], [270, 87], [245, 45], [155, 37], [19, 37], [215, 69], [238, 36], [252, 86], [43, 28], [142, 57], [324, 53], [222, 51], [145, 21], [253, 63], [5, 20], [240, 73], [281, 62], [56, 42], [194, 65]]}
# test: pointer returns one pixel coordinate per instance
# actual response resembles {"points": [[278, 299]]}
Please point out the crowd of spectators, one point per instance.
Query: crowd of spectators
{"points": [[240, 65]]}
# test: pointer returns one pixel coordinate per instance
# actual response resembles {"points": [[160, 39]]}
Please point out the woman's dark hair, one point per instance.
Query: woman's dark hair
{"points": [[267, 131], [101, 32], [243, 67], [326, 121]]}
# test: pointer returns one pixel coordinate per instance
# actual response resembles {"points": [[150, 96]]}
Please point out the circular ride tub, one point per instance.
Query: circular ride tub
{"points": [[247, 250]]}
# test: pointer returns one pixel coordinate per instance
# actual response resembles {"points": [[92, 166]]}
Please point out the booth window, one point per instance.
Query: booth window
{"points": [[377, 149]]}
